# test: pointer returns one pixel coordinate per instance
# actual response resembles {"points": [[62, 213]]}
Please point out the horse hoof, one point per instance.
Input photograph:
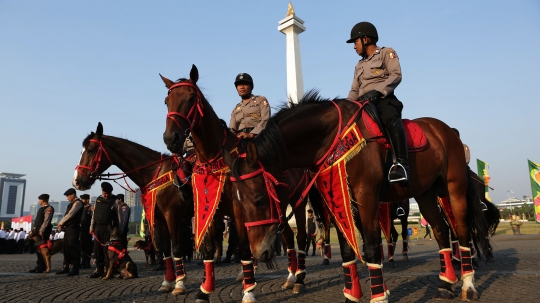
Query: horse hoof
{"points": [[405, 258], [202, 298], [469, 295], [165, 288], [325, 262], [178, 291], [392, 264], [444, 294], [287, 285], [249, 297], [298, 288]]}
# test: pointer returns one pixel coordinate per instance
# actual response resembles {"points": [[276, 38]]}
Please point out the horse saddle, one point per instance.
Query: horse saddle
{"points": [[416, 139]]}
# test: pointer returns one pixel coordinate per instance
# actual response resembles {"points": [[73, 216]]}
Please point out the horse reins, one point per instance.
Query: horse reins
{"points": [[270, 182], [196, 108]]}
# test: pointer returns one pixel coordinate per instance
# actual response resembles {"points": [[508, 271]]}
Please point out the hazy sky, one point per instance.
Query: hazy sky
{"points": [[65, 65]]}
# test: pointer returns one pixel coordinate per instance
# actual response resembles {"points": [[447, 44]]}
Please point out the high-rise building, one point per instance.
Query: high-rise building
{"points": [[12, 191], [133, 200]]}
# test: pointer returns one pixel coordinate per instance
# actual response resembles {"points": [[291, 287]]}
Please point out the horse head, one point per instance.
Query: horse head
{"points": [[184, 106], [254, 192], [94, 160]]}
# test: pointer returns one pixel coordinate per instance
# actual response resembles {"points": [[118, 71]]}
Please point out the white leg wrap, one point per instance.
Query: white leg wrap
{"points": [[468, 282], [166, 283], [291, 278], [348, 263], [180, 284], [249, 297]]}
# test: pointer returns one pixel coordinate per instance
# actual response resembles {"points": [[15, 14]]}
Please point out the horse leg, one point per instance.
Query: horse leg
{"points": [[247, 263], [352, 290], [288, 238], [405, 235], [163, 242], [175, 230], [392, 243], [209, 280], [430, 211], [369, 214], [301, 238]]}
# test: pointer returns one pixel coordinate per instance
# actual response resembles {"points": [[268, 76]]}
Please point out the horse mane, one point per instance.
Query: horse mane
{"points": [[90, 136], [86, 140], [181, 80], [270, 142]]}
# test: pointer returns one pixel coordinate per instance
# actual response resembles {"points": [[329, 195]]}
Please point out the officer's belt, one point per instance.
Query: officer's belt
{"points": [[246, 130]]}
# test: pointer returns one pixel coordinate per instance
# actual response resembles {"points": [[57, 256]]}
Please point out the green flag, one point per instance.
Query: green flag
{"points": [[142, 224], [534, 172], [483, 173]]}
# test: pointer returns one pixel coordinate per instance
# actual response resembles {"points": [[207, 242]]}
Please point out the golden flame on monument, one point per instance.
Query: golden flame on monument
{"points": [[290, 11]]}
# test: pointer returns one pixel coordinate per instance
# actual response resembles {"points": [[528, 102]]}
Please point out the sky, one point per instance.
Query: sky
{"points": [[65, 66]]}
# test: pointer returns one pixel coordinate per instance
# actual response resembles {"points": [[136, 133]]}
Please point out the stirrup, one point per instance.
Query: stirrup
{"points": [[483, 206], [400, 211], [405, 178]]}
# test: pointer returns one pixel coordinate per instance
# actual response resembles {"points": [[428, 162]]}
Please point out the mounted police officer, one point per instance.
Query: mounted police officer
{"points": [[103, 218], [376, 76], [71, 224], [250, 116], [43, 227], [86, 237]]}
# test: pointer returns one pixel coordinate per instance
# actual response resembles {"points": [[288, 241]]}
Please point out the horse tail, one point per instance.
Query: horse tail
{"points": [[493, 217], [477, 222], [317, 204]]}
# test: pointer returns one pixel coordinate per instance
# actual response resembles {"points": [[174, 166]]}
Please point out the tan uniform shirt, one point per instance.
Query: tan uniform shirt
{"points": [[254, 113], [467, 153], [381, 72]]}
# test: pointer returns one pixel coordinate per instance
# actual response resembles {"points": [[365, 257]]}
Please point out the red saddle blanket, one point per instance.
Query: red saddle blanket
{"points": [[416, 139]]}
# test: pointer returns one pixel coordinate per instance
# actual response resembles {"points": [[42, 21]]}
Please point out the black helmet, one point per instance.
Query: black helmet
{"points": [[244, 77], [363, 29]]}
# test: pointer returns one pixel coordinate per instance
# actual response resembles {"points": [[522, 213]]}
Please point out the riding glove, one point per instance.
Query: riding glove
{"points": [[371, 96]]}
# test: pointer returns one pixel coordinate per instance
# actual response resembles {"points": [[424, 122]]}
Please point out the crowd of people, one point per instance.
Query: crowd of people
{"points": [[84, 228], [13, 241]]}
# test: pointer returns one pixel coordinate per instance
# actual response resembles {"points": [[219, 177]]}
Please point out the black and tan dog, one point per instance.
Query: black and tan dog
{"points": [[149, 251], [120, 263], [46, 248]]}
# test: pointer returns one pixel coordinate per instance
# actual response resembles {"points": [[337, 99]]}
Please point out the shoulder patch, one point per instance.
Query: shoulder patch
{"points": [[265, 103], [392, 54], [49, 210], [238, 108]]}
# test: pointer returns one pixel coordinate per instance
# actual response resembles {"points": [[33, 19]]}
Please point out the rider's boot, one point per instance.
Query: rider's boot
{"points": [[399, 172]]}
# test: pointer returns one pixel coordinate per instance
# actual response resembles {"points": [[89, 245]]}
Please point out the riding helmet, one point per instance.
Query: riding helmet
{"points": [[244, 77], [363, 29]]}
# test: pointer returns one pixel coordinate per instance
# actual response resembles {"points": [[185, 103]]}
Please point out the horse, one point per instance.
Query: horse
{"points": [[331, 134], [190, 113], [393, 211], [143, 165]]}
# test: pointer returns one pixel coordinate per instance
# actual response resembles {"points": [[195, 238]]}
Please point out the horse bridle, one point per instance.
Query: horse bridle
{"points": [[270, 182], [96, 161], [194, 112]]}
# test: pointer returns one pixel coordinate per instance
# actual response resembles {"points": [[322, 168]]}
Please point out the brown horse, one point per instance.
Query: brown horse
{"points": [[142, 165], [190, 112], [307, 133]]}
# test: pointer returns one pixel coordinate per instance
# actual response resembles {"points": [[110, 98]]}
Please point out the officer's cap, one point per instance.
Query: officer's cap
{"points": [[85, 196], [44, 197], [244, 78], [120, 197], [106, 187], [70, 191], [363, 29]]}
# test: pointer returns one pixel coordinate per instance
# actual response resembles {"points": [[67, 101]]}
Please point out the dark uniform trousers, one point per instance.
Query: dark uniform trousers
{"points": [[86, 241], [103, 235], [233, 242], [311, 230], [3, 244], [389, 109], [72, 252]]}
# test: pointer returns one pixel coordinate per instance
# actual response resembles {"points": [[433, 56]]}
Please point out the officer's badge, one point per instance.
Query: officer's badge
{"points": [[255, 115], [265, 103], [377, 72], [392, 55], [238, 108], [49, 210]]}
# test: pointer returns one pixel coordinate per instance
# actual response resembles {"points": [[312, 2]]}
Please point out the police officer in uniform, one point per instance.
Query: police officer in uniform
{"points": [[104, 216], [71, 224], [376, 76], [43, 227], [250, 116], [86, 237]]}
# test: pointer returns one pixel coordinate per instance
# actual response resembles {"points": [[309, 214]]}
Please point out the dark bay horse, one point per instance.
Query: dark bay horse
{"points": [[142, 165], [189, 111], [306, 134]]}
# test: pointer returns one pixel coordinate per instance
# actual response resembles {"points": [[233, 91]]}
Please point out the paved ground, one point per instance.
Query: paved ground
{"points": [[514, 276]]}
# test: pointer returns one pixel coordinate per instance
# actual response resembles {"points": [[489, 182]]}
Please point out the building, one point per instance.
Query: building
{"points": [[513, 202], [12, 192], [133, 200], [59, 210]]}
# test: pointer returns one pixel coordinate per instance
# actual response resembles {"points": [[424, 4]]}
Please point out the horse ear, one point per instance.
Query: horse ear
{"points": [[252, 156], [168, 83], [99, 130], [227, 157], [194, 74]]}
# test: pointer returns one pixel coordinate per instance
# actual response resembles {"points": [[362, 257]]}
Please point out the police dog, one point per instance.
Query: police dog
{"points": [[47, 251], [120, 263], [149, 251]]}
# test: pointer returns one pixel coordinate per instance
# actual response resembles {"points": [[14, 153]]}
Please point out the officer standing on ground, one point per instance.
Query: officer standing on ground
{"points": [[71, 224], [250, 116], [124, 212], [312, 229], [42, 227], [86, 237], [376, 77], [104, 217]]}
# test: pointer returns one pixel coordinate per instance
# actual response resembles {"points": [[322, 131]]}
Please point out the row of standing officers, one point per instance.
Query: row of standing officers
{"points": [[81, 223]]}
